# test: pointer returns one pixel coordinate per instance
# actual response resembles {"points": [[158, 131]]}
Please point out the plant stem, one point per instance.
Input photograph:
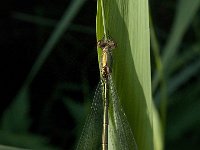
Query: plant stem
{"points": [[161, 76], [104, 22]]}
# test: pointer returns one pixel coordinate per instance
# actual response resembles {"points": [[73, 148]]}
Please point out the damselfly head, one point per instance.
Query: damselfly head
{"points": [[101, 44], [106, 43]]}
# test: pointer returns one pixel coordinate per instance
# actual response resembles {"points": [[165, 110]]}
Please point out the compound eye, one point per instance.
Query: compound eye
{"points": [[112, 44], [99, 43]]}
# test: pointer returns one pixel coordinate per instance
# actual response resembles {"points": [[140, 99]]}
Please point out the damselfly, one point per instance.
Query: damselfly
{"points": [[107, 126]]}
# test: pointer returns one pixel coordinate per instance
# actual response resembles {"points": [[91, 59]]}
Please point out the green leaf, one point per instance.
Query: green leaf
{"points": [[184, 112], [24, 140], [15, 118], [183, 76], [42, 21], [56, 35], [158, 131], [185, 12], [10, 148], [127, 22]]}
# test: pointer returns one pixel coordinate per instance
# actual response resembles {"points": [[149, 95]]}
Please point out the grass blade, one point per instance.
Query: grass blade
{"points": [[15, 118], [59, 30], [10, 148], [182, 21], [127, 22]]}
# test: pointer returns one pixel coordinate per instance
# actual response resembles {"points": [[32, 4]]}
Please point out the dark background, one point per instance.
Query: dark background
{"points": [[60, 93]]}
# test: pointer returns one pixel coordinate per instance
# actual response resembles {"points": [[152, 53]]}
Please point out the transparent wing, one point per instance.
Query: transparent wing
{"points": [[123, 138], [91, 135]]}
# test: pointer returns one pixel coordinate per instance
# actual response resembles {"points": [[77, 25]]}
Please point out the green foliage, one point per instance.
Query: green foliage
{"points": [[24, 140], [15, 118], [177, 69], [10, 148], [175, 83], [59, 30], [15, 122], [15, 125], [181, 23]]}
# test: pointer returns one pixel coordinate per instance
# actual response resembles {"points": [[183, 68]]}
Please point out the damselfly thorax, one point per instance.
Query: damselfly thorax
{"points": [[106, 59]]}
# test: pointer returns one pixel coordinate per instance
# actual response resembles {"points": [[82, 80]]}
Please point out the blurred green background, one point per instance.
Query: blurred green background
{"points": [[49, 71]]}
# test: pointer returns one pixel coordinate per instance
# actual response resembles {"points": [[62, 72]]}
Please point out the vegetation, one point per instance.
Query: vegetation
{"points": [[50, 71]]}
